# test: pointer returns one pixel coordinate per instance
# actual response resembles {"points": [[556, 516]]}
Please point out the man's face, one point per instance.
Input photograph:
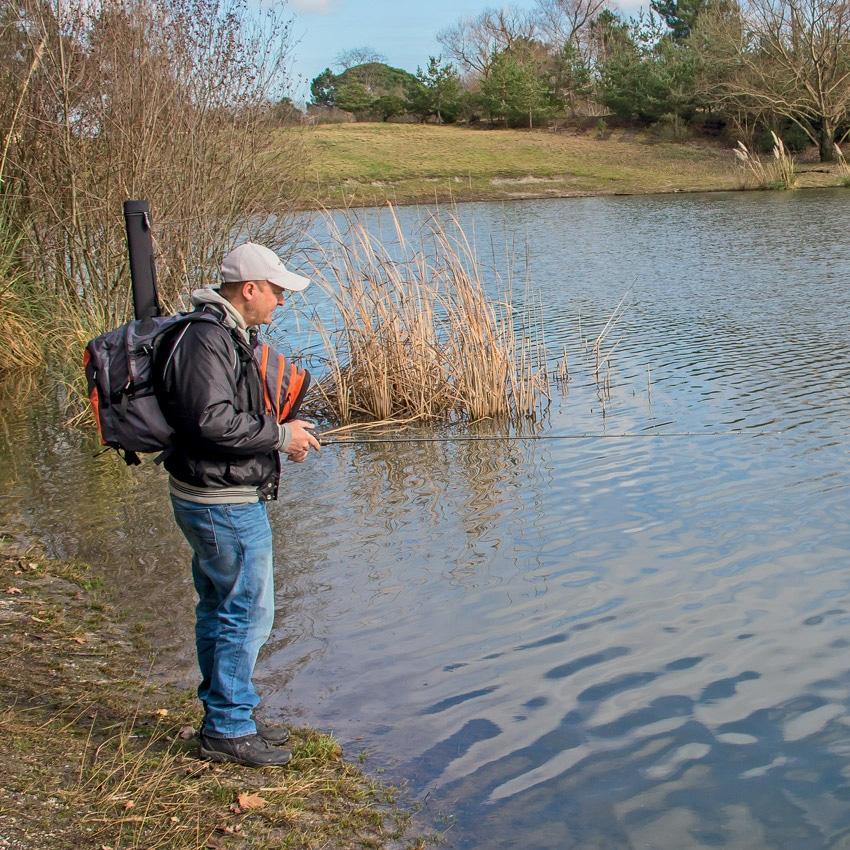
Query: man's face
{"points": [[264, 299]]}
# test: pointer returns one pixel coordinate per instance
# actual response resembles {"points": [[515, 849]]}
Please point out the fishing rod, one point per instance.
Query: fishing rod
{"points": [[484, 438]]}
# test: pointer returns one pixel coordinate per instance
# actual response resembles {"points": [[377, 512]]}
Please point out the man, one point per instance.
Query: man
{"points": [[224, 468]]}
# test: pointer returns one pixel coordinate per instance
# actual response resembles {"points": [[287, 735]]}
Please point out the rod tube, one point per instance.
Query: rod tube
{"points": [[142, 269]]}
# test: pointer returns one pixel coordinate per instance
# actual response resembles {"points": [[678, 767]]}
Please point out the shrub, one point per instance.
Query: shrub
{"points": [[168, 100]]}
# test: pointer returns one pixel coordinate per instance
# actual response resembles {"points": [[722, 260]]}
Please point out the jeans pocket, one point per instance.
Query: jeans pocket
{"points": [[198, 526]]}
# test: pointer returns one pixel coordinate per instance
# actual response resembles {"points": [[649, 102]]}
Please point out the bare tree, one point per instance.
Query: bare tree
{"points": [[169, 100], [785, 58], [565, 21], [472, 42], [357, 56]]}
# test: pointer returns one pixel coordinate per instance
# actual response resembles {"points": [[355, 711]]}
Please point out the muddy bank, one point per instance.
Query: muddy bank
{"points": [[95, 754]]}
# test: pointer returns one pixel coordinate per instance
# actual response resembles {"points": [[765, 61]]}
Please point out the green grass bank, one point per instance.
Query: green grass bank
{"points": [[369, 164]]}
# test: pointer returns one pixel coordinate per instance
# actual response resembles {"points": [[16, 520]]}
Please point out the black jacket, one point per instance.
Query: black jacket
{"points": [[210, 392]]}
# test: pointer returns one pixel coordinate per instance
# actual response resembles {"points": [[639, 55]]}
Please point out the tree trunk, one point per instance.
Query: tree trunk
{"points": [[826, 141], [530, 127]]}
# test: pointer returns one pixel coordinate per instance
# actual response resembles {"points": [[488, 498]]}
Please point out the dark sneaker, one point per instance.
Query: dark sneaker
{"points": [[276, 735], [250, 750]]}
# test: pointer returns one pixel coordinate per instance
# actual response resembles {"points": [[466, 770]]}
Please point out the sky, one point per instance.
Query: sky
{"points": [[404, 32]]}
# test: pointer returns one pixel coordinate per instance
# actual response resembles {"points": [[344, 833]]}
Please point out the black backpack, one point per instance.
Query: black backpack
{"points": [[120, 378]]}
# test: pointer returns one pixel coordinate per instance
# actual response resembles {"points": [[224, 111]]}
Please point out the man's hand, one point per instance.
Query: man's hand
{"points": [[301, 440]]}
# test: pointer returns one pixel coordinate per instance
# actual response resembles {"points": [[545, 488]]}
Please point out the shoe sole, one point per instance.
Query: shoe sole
{"points": [[215, 755]]}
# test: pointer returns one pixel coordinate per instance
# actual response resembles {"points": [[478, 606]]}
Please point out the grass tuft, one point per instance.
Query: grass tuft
{"points": [[843, 167], [777, 173]]}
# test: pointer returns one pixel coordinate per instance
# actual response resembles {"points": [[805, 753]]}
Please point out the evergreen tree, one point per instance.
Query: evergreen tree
{"points": [[648, 74], [514, 91], [388, 106], [323, 88], [435, 91], [354, 97], [680, 15]]}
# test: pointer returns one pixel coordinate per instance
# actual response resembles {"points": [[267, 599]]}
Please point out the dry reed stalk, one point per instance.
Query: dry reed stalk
{"points": [[843, 167], [416, 338], [618, 313], [562, 368]]}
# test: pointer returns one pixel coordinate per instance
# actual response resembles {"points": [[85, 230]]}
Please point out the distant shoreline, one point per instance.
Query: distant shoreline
{"points": [[365, 165]]}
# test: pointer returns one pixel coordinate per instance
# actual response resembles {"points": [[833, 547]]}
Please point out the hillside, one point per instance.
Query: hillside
{"points": [[365, 164]]}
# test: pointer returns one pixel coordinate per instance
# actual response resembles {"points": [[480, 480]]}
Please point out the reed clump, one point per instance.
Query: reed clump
{"points": [[776, 173], [413, 335]]}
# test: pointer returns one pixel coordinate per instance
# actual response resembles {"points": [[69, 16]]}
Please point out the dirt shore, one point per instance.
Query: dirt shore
{"points": [[93, 754]]}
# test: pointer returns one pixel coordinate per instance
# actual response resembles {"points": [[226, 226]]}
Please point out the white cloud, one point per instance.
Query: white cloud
{"points": [[321, 7]]}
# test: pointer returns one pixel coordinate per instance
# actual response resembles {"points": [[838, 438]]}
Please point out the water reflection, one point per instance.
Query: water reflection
{"points": [[578, 643]]}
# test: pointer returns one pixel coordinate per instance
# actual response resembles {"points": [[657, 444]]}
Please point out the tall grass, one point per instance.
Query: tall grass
{"points": [[843, 167], [20, 312], [415, 337], [776, 173]]}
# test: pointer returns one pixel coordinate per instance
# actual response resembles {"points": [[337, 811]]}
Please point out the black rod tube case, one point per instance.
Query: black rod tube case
{"points": [[142, 268]]}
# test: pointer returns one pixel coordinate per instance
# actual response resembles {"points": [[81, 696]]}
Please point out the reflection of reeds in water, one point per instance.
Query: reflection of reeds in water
{"points": [[417, 338], [777, 173], [562, 370]]}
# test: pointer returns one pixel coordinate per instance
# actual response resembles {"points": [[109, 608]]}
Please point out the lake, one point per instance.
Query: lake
{"points": [[605, 642]]}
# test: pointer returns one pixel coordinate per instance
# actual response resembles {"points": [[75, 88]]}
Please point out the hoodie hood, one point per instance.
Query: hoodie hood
{"points": [[232, 317]]}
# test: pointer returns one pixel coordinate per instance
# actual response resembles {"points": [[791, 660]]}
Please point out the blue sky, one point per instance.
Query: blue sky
{"points": [[404, 32]]}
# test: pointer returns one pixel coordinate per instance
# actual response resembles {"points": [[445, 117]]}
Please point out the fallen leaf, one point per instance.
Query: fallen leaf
{"points": [[175, 819], [129, 804], [13, 590], [79, 640], [250, 801], [162, 712], [187, 732]]}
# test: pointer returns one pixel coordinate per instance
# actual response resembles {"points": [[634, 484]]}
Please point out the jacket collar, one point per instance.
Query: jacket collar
{"points": [[231, 317]]}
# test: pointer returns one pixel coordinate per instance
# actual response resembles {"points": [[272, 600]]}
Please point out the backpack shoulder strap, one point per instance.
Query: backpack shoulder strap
{"points": [[179, 327]]}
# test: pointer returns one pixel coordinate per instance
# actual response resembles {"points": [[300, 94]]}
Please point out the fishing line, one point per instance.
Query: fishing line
{"points": [[474, 438]]}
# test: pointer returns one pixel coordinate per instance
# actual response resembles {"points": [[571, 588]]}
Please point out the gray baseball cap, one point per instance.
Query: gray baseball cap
{"points": [[256, 262]]}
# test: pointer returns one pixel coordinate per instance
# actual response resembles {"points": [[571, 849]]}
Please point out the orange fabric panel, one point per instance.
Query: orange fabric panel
{"points": [[295, 382], [281, 367], [94, 399], [264, 367]]}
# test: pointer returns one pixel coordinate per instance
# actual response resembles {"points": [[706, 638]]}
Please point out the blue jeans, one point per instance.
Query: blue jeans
{"points": [[234, 577]]}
